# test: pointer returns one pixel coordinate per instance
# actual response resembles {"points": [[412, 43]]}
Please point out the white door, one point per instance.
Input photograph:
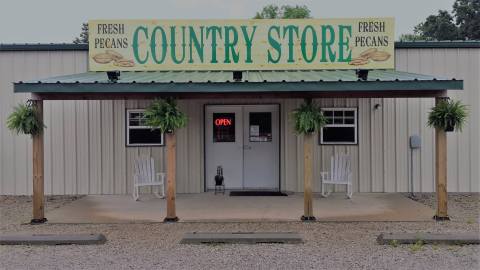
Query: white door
{"points": [[260, 144], [244, 141], [224, 145]]}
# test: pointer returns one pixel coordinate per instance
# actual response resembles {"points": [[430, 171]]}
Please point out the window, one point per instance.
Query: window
{"points": [[138, 133], [341, 127], [223, 127], [260, 126]]}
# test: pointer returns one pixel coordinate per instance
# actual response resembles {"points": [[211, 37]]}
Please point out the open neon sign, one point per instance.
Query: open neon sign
{"points": [[223, 122]]}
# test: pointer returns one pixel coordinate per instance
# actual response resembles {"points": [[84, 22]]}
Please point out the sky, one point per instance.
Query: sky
{"points": [[46, 21]]}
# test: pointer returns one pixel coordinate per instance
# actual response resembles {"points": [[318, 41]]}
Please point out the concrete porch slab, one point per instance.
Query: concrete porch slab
{"points": [[205, 207]]}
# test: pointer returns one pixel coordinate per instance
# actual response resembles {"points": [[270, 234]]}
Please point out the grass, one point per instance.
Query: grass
{"points": [[393, 243], [418, 246]]}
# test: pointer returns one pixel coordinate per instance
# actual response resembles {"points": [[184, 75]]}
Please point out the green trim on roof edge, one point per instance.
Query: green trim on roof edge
{"points": [[84, 47], [246, 87]]}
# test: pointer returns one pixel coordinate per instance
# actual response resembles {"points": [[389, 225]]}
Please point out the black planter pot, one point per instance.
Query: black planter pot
{"points": [[218, 180], [450, 127]]}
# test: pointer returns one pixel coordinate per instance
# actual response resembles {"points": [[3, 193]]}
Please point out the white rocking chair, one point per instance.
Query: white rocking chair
{"points": [[145, 175], [340, 174]]}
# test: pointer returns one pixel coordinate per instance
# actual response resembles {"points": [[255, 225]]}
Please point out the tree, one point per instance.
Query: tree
{"points": [[467, 13], [410, 37], [464, 24], [83, 38], [296, 12], [268, 12], [283, 12], [438, 27]]}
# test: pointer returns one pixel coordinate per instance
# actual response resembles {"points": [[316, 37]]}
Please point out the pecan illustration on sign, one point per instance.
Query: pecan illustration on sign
{"points": [[366, 53], [102, 58], [359, 61], [115, 55], [379, 56], [111, 55], [123, 63], [370, 54]]}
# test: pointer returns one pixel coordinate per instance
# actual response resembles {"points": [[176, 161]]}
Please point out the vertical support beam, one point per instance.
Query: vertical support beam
{"points": [[38, 170], [441, 170], [307, 177], [171, 185]]}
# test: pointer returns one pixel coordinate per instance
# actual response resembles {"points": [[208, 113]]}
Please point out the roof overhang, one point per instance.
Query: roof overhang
{"points": [[201, 84]]}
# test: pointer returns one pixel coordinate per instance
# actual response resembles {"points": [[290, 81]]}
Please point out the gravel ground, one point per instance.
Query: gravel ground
{"points": [[328, 245]]}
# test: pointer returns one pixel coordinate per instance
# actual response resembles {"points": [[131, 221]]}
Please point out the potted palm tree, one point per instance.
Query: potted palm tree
{"points": [[24, 120], [165, 115], [448, 115], [308, 120]]}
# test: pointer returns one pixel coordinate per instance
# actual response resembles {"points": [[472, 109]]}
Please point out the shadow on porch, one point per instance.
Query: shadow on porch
{"points": [[223, 208]]}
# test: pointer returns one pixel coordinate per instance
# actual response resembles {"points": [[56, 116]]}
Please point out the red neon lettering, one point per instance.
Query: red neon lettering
{"points": [[223, 122]]}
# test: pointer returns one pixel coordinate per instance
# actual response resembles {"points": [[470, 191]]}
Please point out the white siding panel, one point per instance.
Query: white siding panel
{"points": [[107, 146], [20, 142], [364, 145], [82, 149], [376, 145], [8, 148], [401, 144], [463, 149], [70, 147], [289, 148], [474, 101], [58, 146], [389, 136], [95, 147], [120, 170]]}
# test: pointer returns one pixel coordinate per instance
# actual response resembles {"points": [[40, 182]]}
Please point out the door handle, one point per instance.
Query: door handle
{"points": [[247, 147]]}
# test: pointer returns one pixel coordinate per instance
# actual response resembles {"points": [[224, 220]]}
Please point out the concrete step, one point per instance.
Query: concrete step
{"points": [[242, 238], [52, 239], [429, 238]]}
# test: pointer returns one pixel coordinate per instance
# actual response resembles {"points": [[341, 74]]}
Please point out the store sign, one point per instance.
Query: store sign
{"points": [[366, 43]]}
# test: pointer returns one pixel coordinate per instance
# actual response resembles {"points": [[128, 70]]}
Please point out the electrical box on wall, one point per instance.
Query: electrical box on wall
{"points": [[415, 141]]}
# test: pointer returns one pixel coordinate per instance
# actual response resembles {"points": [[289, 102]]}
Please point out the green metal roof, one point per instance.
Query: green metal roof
{"points": [[443, 44], [84, 46], [222, 82]]}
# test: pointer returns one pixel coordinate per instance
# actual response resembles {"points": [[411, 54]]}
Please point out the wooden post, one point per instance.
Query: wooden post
{"points": [[307, 177], [171, 162], [441, 170], [38, 183]]}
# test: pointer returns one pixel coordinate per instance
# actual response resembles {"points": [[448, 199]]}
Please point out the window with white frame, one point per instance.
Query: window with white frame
{"points": [[341, 127], [138, 133]]}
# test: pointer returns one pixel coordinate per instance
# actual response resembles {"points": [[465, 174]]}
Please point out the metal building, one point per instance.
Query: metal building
{"points": [[87, 147]]}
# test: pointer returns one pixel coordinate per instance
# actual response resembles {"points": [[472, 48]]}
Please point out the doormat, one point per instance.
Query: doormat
{"points": [[257, 193]]}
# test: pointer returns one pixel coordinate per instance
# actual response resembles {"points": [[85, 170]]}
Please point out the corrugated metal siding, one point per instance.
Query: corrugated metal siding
{"points": [[85, 149]]}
